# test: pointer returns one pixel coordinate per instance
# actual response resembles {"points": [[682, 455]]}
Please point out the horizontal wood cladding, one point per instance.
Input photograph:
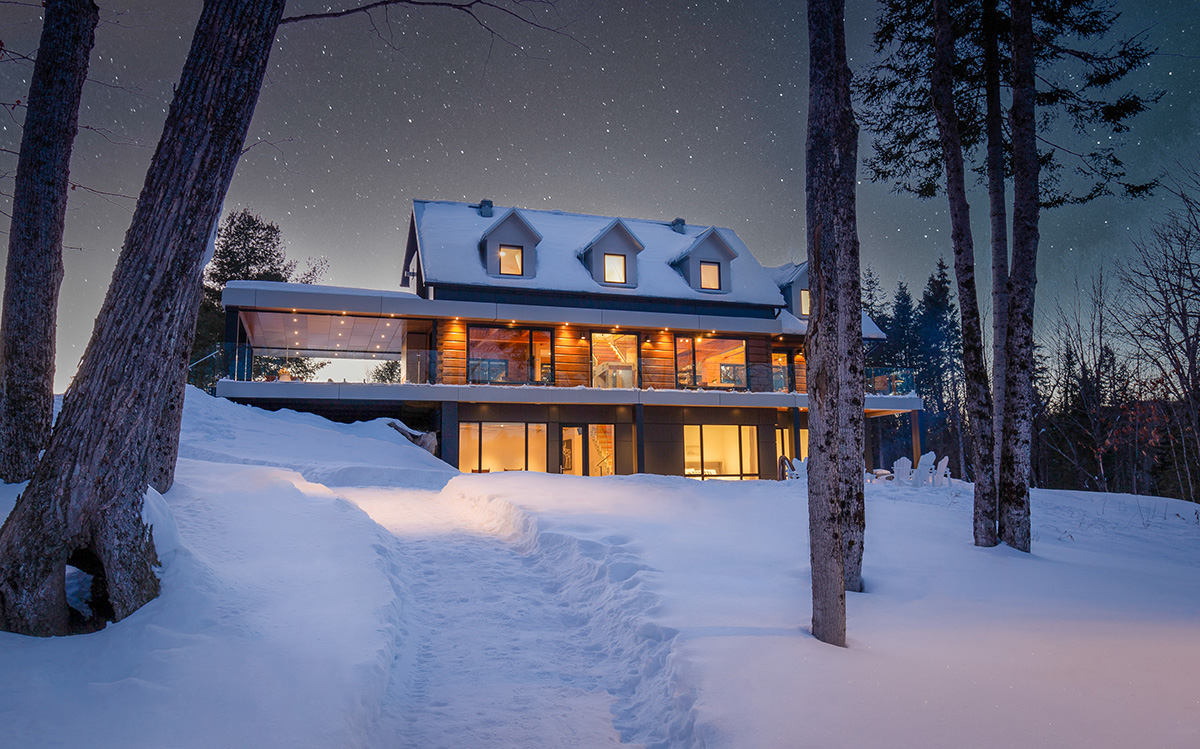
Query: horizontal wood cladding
{"points": [[658, 361], [452, 352], [758, 360], [572, 357]]}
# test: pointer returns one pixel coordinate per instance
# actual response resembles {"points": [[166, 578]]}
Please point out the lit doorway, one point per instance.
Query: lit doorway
{"points": [[588, 450]]}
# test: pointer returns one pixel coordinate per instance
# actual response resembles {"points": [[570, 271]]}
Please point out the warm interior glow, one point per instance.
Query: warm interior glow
{"points": [[710, 275], [614, 360], [614, 268], [723, 451], [511, 258]]}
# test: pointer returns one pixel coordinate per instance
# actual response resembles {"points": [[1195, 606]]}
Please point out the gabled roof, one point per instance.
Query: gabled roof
{"points": [[448, 235], [505, 217], [790, 273], [604, 232], [710, 232]]}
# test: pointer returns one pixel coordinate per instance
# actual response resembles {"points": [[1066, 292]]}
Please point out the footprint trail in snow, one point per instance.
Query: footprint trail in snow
{"points": [[491, 653]]}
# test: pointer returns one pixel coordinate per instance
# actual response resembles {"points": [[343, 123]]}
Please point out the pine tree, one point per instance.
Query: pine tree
{"points": [[247, 248]]}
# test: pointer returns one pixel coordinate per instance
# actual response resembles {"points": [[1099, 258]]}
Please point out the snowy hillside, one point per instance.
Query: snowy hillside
{"points": [[333, 585]]}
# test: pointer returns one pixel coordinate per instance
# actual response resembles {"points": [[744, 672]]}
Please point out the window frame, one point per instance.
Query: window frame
{"points": [[695, 365], [710, 264], [741, 474], [520, 255], [479, 443], [592, 356], [624, 268], [529, 361]]}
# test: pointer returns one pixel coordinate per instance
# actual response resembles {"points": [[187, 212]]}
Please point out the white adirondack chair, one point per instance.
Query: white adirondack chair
{"points": [[923, 473], [901, 471], [941, 474]]}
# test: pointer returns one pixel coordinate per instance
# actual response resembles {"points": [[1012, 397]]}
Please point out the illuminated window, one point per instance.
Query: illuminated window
{"points": [[614, 360], [805, 302], [718, 451], [511, 260], [509, 356], [710, 275], [614, 268], [779, 372], [485, 447], [710, 362], [589, 450]]}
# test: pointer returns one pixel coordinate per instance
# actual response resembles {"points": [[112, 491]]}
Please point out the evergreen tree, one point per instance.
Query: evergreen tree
{"points": [[247, 249]]}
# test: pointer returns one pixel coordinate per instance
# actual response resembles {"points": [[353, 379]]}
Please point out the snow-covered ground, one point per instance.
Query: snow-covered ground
{"points": [[332, 585]]}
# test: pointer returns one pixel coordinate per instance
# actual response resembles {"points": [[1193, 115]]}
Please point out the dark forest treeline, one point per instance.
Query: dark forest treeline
{"points": [[1117, 377]]}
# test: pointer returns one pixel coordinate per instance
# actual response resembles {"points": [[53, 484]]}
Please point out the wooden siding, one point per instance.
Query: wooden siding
{"points": [[572, 357], [758, 364], [452, 352], [658, 360]]}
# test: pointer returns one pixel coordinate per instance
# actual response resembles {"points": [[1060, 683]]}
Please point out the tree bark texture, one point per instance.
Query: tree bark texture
{"points": [[1018, 422], [835, 353], [998, 214], [85, 499], [34, 270], [979, 400]]}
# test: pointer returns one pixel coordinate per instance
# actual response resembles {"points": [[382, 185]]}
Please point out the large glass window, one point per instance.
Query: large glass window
{"points": [[720, 451], [509, 356], [489, 446], [511, 260], [779, 373], [710, 275], [710, 362], [614, 268], [614, 360], [783, 444], [589, 450]]}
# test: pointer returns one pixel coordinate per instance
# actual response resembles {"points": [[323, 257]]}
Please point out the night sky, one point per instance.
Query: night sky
{"points": [[648, 110]]}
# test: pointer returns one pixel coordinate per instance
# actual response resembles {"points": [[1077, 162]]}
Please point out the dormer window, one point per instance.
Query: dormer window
{"points": [[706, 263], [805, 302], [614, 268], [511, 260], [710, 275]]}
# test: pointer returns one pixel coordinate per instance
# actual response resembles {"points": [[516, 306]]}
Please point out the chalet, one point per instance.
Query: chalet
{"points": [[561, 342]]}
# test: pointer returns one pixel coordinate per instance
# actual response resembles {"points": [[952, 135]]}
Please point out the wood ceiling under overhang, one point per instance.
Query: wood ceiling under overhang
{"points": [[281, 333]]}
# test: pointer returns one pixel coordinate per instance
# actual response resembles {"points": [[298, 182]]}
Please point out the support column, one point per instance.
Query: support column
{"points": [[795, 432], [639, 435], [915, 418], [449, 428], [868, 444]]}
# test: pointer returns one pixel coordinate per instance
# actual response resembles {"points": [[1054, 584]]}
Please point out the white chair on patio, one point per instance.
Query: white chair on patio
{"points": [[923, 473], [941, 474], [901, 471]]}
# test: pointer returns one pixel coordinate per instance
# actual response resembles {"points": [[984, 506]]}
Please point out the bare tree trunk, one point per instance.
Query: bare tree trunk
{"points": [[979, 400], [835, 352], [84, 502], [998, 214], [1018, 422], [34, 271], [164, 445]]}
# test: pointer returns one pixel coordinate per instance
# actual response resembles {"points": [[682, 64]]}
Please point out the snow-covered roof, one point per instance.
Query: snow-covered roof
{"points": [[788, 273], [449, 233]]}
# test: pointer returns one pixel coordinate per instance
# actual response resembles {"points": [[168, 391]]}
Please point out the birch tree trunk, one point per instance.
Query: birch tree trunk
{"points": [[998, 214], [835, 355], [84, 503], [34, 270], [979, 400], [1018, 422]]}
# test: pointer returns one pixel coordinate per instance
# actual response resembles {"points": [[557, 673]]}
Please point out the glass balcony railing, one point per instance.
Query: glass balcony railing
{"points": [[890, 381], [426, 367]]}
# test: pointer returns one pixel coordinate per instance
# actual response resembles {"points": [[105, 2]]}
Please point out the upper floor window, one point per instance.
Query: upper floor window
{"points": [[614, 360], [710, 362], [511, 260], [710, 275], [614, 268], [805, 302], [510, 356]]}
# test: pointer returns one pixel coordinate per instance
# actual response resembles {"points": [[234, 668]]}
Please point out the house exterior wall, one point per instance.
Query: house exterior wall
{"points": [[616, 242]]}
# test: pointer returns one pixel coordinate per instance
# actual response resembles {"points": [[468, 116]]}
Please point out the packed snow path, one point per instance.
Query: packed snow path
{"points": [[493, 651]]}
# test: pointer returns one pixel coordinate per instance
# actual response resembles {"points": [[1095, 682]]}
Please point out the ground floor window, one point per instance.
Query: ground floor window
{"points": [[784, 446], [589, 450], [720, 451], [489, 446]]}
